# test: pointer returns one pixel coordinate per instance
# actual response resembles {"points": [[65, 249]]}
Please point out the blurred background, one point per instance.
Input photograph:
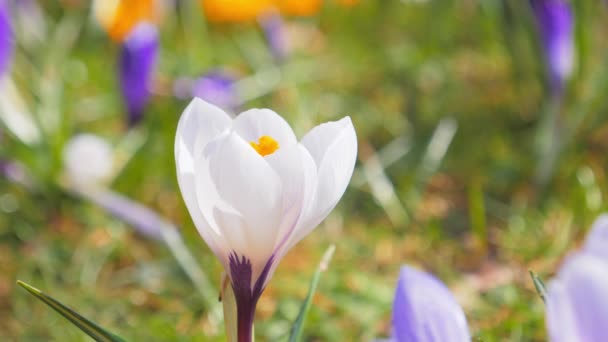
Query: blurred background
{"points": [[482, 148]]}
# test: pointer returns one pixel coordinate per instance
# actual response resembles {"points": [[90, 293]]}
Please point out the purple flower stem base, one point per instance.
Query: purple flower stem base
{"points": [[241, 273]]}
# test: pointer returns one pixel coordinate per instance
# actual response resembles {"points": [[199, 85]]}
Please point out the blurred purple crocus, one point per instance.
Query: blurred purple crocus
{"points": [[146, 221], [577, 300], [6, 38], [555, 23], [216, 87], [137, 64], [424, 310], [274, 30]]}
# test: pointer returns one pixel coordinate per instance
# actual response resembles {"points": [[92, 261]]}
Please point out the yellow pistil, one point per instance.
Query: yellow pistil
{"points": [[266, 145]]}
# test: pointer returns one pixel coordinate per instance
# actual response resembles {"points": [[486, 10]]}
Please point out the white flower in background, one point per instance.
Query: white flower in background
{"points": [[254, 191], [88, 160]]}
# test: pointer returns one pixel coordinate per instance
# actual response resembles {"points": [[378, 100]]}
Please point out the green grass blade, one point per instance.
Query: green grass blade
{"points": [[539, 285], [296, 330], [96, 332]]}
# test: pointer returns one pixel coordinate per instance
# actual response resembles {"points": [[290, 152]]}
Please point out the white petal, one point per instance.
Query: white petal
{"points": [[248, 185], [333, 146], [254, 123], [199, 123], [298, 173], [88, 160]]}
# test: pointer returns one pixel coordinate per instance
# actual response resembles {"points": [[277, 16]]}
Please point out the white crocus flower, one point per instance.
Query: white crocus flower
{"points": [[88, 160], [254, 191]]}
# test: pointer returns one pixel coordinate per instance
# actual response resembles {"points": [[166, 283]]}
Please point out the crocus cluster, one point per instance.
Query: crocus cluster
{"points": [[555, 24], [577, 299], [6, 39], [253, 190]]}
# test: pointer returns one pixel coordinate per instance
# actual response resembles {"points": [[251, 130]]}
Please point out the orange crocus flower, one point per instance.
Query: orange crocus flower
{"points": [[348, 3], [235, 10], [249, 10], [299, 7], [119, 17]]}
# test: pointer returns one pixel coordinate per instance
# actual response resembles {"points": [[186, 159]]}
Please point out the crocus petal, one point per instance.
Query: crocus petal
{"points": [[425, 310], [88, 160], [333, 146], [298, 174], [137, 63], [240, 176], [145, 221], [234, 10], [299, 7], [577, 301], [559, 309], [218, 88], [597, 239], [120, 17], [555, 25], [6, 39], [274, 30], [254, 123], [199, 124]]}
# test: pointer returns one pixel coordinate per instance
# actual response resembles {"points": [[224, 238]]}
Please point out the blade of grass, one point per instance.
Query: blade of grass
{"points": [[297, 328], [477, 214], [539, 285], [95, 331]]}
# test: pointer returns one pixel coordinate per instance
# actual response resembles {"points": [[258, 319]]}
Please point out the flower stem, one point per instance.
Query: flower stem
{"points": [[245, 316]]}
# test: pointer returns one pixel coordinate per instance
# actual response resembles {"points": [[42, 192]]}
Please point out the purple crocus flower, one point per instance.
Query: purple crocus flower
{"points": [[216, 87], [274, 30], [555, 25], [577, 300], [424, 310], [143, 219], [137, 63], [14, 172], [6, 38]]}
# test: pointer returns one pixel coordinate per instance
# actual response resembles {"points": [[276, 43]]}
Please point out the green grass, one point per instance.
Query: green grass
{"points": [[460, 83]]}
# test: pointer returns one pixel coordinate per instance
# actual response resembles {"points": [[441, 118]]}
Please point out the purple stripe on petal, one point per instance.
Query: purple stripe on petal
{"points": [[425, 310], [241, 273], [555, 25], [136, 67], [6, 39]]}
